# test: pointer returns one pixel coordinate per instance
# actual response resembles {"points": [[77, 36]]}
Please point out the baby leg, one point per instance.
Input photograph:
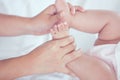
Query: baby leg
{"points": [[91, 68]]}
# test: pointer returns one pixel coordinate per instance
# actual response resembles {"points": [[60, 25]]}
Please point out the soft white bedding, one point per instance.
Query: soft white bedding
{"points": [[52, 76]]}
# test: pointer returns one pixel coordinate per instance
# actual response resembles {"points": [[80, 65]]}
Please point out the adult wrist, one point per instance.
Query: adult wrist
{"points": [[37, 61], [29, 29], [35, 26]]}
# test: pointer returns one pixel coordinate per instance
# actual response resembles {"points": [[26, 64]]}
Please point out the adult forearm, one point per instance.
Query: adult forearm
{"points": [[14, 68], [14, 25]]}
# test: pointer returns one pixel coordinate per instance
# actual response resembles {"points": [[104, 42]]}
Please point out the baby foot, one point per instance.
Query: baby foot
{"points": [[64, 11], [61, 5], [60, 31]]}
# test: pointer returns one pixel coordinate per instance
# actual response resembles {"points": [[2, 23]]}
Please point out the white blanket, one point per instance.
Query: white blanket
{"points": [[117, 51], [52, 76]]}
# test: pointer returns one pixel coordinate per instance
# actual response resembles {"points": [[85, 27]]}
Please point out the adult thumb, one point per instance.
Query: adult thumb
{"points": [[51, 10]]}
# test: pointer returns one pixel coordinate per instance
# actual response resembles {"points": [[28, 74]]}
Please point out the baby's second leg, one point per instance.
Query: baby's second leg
{"points": [[91, 68]]}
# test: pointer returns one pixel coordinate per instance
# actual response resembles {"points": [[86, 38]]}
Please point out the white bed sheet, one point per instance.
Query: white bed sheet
{"points": [[52, 76]]}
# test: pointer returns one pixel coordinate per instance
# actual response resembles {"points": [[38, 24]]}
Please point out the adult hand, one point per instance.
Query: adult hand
{"points": [[53, 56], [42, 23], [49, 57], [74, 9]]}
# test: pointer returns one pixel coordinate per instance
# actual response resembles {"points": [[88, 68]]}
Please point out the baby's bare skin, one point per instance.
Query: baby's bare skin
{"points": [[105, 23], [91, 68]]}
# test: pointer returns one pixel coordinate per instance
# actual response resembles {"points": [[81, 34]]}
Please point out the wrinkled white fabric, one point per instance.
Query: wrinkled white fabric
{"points": [[110, 54], [52, 76], [117, 56]]}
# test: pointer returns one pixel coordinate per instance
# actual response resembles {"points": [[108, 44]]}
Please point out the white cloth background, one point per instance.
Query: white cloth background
{"points": [[52, 76]]}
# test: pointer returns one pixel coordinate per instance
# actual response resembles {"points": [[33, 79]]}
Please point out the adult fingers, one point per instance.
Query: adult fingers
{"points": [[61, 17], [80, 9], [67, 49], [51, 10], [72, 56], [65, 41], [72, 9], [54, 19]]}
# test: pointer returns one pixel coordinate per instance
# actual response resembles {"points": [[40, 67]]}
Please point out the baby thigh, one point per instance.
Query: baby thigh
{"points": [[91, 68]]}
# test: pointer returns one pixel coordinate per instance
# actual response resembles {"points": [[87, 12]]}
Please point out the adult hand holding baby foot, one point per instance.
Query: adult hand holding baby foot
{"points": [[62, 47], [53, 55], [58, 49], [43, 22], [67, 11]]}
